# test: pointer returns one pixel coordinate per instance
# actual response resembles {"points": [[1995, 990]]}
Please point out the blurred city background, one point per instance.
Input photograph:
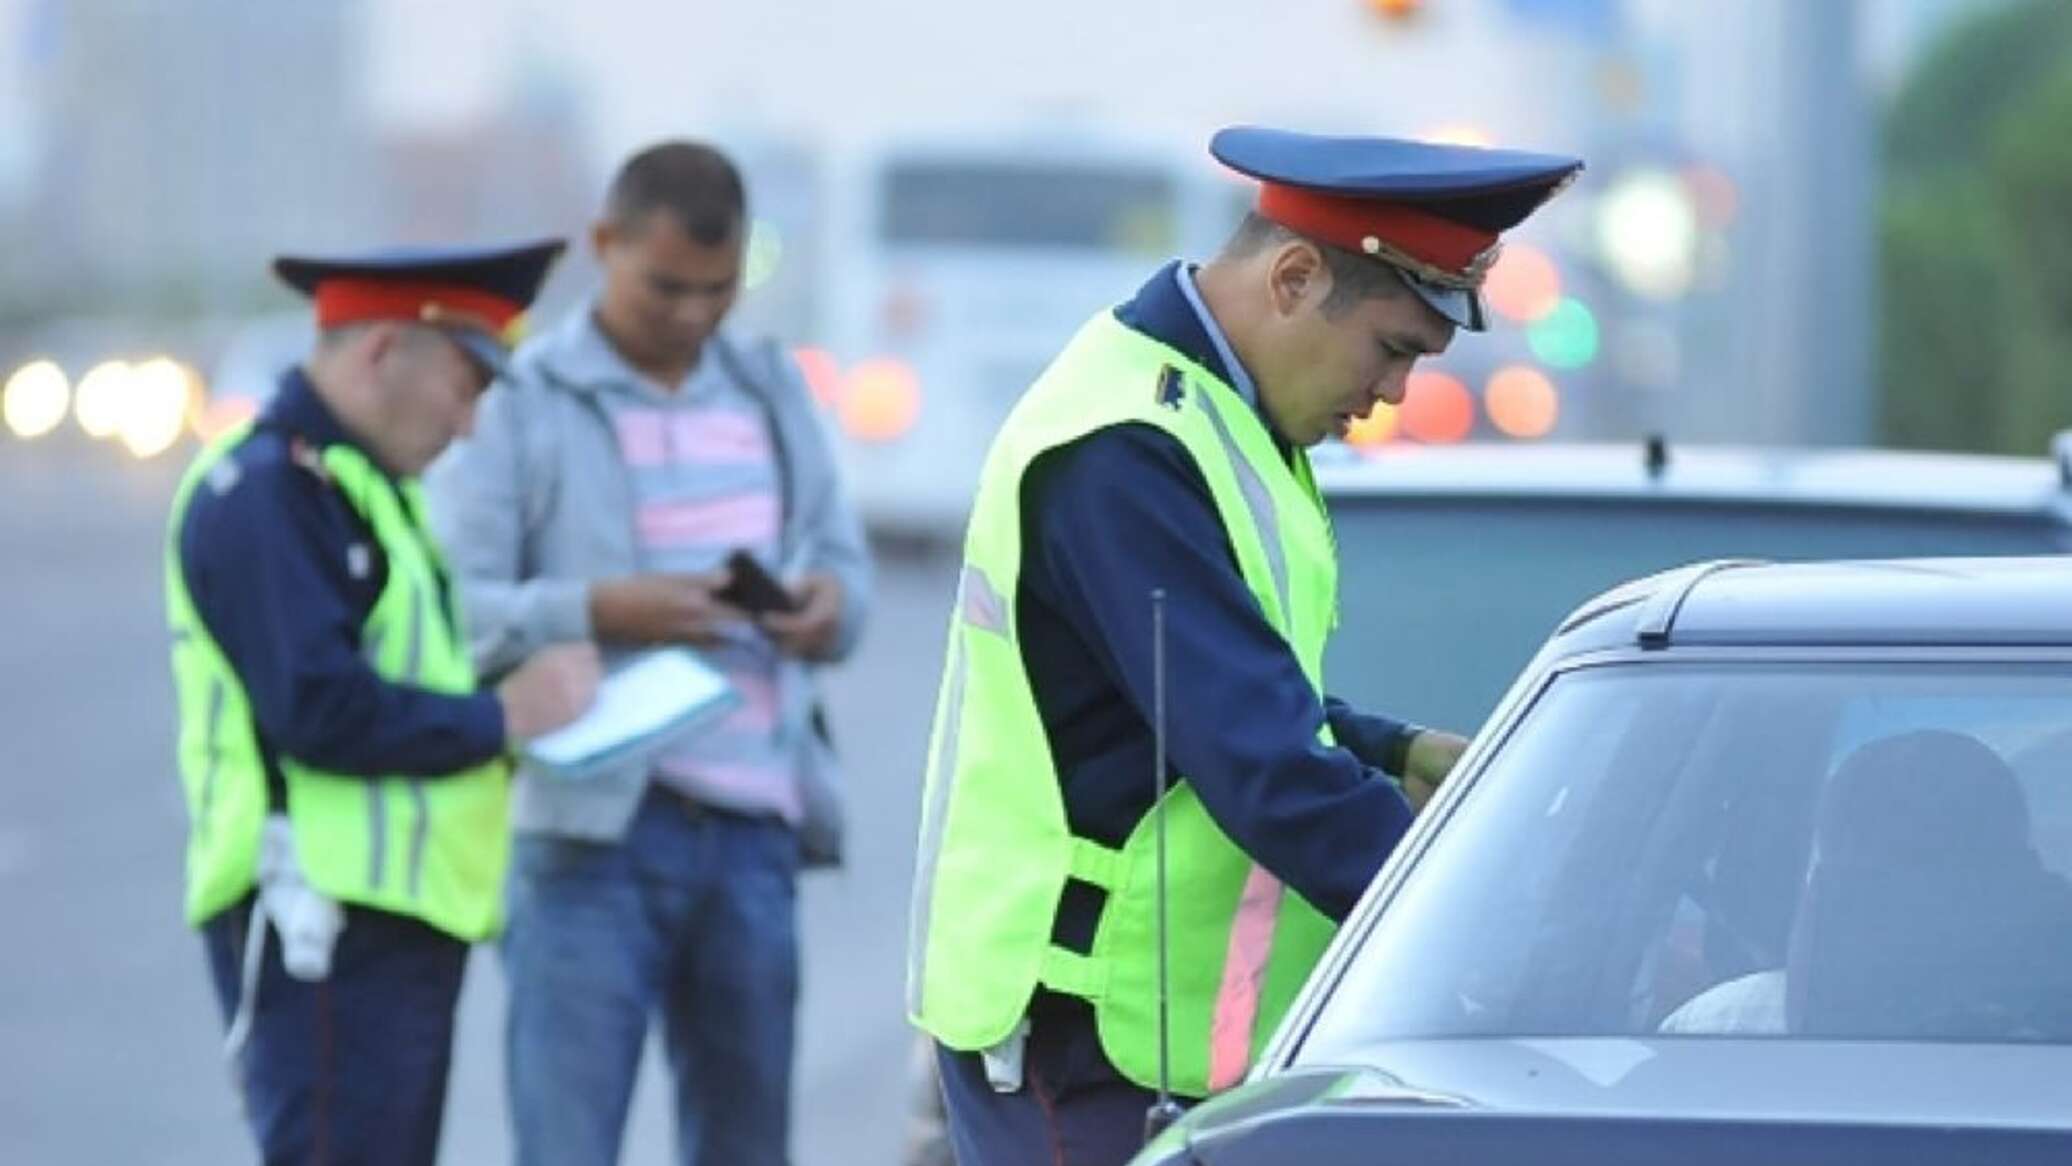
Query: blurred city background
{"points": [[1836, 223]]}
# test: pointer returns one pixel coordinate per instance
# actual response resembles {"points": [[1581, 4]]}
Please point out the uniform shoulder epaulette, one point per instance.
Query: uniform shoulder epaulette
{"points": [[309, 458]]}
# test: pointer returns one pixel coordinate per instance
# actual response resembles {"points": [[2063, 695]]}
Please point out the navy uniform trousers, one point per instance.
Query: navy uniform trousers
{"points": [[1073, 1108], [351, 1069]]}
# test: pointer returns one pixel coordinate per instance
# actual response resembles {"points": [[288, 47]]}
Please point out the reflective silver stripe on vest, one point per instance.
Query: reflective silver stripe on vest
{"points": [[981, 609], [218, 694], [377, 806], [982, 606], [1260, 502], [375, 640], [413, 648], [377, 801], [1250, 945], [420, 831], [421, 821], [377, 833]]}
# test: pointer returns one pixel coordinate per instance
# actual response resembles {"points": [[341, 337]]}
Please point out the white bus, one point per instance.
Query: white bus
{"points": [[954, 270]]}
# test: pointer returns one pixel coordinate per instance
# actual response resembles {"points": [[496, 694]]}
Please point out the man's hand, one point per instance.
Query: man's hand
{"points": [[1426, 763], [660, 609], [808, 633], [549, 690]]}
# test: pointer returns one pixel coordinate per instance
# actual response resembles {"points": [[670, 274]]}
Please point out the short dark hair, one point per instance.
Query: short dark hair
{"points": [[696, 185], [1355, 279]]}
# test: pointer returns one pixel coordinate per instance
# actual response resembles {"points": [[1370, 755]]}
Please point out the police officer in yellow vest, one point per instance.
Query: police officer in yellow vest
{"points": [[1163, 451], [345, 780]]}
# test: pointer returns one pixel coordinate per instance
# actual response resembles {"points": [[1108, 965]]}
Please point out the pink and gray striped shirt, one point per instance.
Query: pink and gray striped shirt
{"points": [[706, 482]]}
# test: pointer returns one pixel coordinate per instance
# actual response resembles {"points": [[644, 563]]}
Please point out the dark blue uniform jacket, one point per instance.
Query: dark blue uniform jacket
{"points": [[283, 573]]}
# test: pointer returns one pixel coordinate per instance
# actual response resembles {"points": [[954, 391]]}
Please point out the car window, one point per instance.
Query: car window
{"points": [[1443, 601], [1861, 852]]}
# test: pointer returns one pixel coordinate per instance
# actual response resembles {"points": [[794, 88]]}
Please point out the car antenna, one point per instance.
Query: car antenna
{"points": [[1657, 455], [1165, 1111]]}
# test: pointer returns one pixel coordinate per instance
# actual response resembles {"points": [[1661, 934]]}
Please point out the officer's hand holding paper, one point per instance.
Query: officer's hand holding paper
{"points": [[552, 688], [641, 707]]}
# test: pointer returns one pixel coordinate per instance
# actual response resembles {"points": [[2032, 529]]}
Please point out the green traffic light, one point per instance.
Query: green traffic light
{"points": [[1566, 338]]}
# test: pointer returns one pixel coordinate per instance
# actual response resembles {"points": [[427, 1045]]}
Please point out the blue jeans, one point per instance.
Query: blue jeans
{"points": [[351, 1069], [692, 916]]}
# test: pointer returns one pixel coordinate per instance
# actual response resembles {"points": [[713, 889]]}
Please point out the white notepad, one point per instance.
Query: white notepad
{"points": [[642, 706]]}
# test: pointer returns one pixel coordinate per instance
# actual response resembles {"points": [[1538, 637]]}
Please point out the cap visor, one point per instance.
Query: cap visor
{"points": [[490, 355], [1459, 305]]}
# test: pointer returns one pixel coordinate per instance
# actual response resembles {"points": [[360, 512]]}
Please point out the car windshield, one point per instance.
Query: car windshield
{"points": [[1489, 578], [1834, 851]]}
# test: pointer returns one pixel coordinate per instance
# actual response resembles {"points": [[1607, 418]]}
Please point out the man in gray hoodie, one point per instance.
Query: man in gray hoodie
{"points": [[631, 451]]}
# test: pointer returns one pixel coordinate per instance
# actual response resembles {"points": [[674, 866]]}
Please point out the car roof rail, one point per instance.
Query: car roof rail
{"points": [[1657, 618]]}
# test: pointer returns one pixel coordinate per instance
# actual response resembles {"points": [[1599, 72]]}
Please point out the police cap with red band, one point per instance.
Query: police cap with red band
{"points": [[1433, 212], [477, 295]]}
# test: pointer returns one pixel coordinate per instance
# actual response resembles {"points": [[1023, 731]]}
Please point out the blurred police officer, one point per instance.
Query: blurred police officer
{"points": [[1163, 451], [345, 780]]}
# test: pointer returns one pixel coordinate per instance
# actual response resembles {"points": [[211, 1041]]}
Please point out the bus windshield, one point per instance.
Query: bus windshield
{"points": [[1029, 204]]}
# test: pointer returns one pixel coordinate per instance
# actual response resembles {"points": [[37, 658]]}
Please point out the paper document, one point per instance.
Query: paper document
{"points": [[641, 707]]}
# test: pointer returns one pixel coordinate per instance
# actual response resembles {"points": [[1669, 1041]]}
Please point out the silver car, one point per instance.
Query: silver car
{"points": [[1753, 863]]}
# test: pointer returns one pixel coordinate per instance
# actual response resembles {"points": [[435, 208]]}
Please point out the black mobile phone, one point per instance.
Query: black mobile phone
{"points": [[753, 589]]}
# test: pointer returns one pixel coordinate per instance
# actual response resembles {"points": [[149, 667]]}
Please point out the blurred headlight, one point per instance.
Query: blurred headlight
{"points": [[99, 402], [153, 415], [35, 400]]}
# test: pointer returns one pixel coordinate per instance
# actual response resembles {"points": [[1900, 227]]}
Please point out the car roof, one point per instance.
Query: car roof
{"points": [[1865, 478], [1985, 602]]}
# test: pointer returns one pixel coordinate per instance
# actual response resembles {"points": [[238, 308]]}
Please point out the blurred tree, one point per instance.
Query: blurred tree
{"points": [[2031, 168], [1940, 265], [1975, 265], [1941, 119]]}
